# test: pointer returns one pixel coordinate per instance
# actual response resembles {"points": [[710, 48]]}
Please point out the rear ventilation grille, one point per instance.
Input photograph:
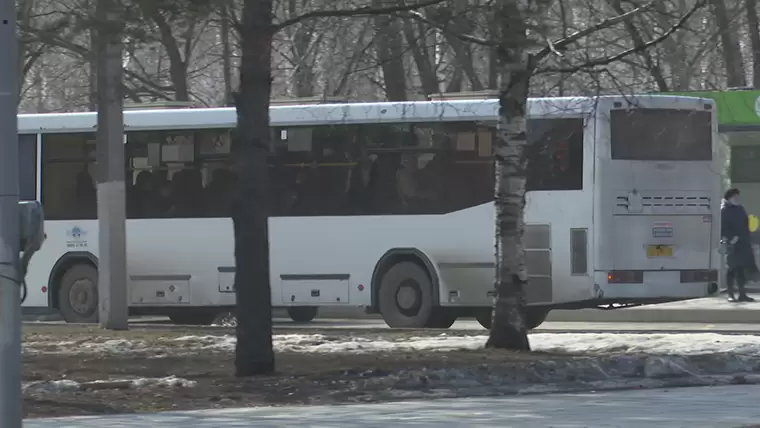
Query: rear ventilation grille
{"points": [[663, 204], [667, 201]]}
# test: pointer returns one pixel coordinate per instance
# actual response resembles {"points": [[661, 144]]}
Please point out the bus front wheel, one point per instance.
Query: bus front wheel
{"points": [[302, 314], [78, 294], [406, 296], [534, 317]]}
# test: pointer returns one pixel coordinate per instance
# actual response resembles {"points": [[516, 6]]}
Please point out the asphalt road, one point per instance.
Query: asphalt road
{"points": [[730, 406], [473, 326]]}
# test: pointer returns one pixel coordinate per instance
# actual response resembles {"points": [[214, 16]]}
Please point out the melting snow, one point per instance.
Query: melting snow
{"points": [[668, 344], [663, 344], [66, 385]]}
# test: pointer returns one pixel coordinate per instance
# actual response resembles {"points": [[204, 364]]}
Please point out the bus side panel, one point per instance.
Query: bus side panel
{"points": [[62, 237], [180, 262], [339, 254], [167, 266]]}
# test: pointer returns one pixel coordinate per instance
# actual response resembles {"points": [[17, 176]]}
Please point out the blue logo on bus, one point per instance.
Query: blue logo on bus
{"points": [[76, 237]]}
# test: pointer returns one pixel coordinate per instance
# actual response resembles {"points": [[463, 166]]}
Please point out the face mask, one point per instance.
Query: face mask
{"points": [[734, 201]]}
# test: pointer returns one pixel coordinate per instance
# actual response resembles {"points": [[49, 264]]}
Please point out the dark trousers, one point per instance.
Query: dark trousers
{"points": [[738, 275]]}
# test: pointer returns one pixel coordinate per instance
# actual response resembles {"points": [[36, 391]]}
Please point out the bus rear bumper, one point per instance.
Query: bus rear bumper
{"points": [[655, 285]]}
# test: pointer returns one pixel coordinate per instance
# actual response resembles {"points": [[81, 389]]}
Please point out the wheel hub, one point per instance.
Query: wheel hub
{"points": [[82, 296], [408, 296]]}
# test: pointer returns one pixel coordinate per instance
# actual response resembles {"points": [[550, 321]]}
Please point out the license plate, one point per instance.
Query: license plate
{"points": [[659, 251]]}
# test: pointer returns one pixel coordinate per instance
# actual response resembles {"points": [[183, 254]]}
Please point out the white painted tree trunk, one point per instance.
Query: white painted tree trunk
{"points": [[508, 329]]}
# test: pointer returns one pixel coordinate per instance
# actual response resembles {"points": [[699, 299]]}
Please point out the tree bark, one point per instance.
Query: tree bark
{"points": [[421, 54], [226, 52], [651, 65], [390, 54], [732, 54], [253, 354], [754, 38], [302, 58], [508, 329], [177, 64], [462, 52]]}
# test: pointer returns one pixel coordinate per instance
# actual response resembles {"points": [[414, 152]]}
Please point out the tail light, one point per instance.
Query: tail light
{"points": [[625, 277], [699, 275]]}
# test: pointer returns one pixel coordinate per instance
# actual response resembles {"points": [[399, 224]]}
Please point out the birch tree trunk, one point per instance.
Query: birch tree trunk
{"points": [[508, 329], [253, 352]]}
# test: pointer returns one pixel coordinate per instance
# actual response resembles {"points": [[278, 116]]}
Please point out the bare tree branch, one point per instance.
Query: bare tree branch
{"points": [[559, 45], [413, 14], [608, 60], [359, 11], [552, 46]]}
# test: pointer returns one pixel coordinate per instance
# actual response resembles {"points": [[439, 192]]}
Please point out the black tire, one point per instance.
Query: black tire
{"points": [[302, 314], [78, 294], [534, 317], [192, 317], [441, 318], [417, 294], [484, 317]]}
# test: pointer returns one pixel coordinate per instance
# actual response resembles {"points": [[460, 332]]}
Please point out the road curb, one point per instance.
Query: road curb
{"points": [[634, 315], [707, 316]]}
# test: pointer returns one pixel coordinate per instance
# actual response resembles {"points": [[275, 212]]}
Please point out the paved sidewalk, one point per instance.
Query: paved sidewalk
{"points": [[730, 407]]}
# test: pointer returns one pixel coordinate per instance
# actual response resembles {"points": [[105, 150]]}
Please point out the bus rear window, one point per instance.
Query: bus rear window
{"points": [[661, 135]]}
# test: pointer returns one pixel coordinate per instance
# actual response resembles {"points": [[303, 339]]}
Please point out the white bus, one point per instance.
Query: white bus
{"points": [[388, 206]]}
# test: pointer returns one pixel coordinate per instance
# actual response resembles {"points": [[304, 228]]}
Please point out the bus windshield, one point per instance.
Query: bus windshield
{"points": [[661, 135]]}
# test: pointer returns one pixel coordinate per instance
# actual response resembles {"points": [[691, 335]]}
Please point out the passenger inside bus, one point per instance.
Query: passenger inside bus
{"points": [[86, 194], [412, 194], [359, 184], [187, 193], [141, 196], [163, 198], [220, 193]]}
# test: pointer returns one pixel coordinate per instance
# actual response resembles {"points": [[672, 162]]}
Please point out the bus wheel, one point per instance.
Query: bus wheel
{"points": [[192, 317], [441, 318], [534, 317], [484, 317], [78, 294], [302, 314], [406, 296]]}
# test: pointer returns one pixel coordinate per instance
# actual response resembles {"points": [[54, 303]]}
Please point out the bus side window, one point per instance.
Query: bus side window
{"points": [[68, 187], [555, 153], [27, 155]]}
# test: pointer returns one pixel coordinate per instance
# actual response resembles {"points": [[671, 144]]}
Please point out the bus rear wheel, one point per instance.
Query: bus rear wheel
{"points": [[405, 297], [534, 317], [302, 314], [441, 318], [192, 317], [78, 294]]}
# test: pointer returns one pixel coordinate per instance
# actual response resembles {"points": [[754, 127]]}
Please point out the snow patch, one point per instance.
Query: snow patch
{"points": [[663, 344], [66, 385], [581, 343]]}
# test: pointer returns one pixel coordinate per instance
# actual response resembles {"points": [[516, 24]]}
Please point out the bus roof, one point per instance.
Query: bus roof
{"points": [[321, 114]]}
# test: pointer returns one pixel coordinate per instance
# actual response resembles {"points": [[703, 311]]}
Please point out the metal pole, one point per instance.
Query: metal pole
{"points": [[112, 266], [10, 296]]}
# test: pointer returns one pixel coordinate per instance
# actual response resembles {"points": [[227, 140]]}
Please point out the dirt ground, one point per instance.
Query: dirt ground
{"points": [[53, 353]]}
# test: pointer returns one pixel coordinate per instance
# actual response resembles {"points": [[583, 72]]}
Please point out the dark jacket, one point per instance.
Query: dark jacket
{"points": [[735, 223]]}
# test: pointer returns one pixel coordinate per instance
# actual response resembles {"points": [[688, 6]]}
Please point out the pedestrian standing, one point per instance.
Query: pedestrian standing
{"points": [[736, 237]]}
